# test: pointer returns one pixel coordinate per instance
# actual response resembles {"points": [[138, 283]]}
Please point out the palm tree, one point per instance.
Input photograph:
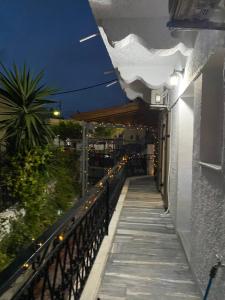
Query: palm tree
{"points": [[23, 117]]}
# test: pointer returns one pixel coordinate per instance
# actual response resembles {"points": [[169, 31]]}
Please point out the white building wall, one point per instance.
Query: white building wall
{"points": [[184, 181], [207, 191], [173, 163]]}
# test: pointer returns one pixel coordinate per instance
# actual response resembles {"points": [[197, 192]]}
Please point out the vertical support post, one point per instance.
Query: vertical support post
{"points": [[84, 159], [86, 156], [166, 162], [107, 208]]}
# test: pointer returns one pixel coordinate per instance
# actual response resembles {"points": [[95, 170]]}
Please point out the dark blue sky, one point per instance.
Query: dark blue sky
{"points": [[45, 34]]}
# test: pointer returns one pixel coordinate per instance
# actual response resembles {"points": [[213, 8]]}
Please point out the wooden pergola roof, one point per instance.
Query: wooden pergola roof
{"points": [[133, 113]]}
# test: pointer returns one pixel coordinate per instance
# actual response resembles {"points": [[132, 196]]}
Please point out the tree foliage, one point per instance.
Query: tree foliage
{"points": [[42, 179], [107, 132], [68, 129], [46, 184]]}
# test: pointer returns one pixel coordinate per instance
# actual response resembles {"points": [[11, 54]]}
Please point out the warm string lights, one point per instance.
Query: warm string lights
{"points": [[111, 172], [127, 126], [61, 237], [101, 184], [26, 266]]}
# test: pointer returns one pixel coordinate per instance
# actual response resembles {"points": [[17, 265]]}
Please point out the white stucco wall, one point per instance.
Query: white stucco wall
{"points": [[207, 230], [184, 177], [173, 163]]}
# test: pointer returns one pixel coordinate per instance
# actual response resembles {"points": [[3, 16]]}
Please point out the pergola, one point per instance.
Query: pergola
{"points": [[134, 113]]}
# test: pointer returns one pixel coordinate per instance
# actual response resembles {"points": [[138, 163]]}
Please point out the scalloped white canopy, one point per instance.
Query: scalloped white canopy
{"points": [[139, 43]]}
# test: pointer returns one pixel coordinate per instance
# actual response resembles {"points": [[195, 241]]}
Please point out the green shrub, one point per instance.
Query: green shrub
{"points": [[46, 184], [64, 169], [67, 129], [107, 132]]}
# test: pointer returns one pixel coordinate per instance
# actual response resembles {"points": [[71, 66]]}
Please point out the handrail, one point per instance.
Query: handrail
{"points": [[59, 261]]}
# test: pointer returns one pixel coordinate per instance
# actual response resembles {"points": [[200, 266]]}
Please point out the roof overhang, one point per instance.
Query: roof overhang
{"points": [[142, 47], [140, 44]]}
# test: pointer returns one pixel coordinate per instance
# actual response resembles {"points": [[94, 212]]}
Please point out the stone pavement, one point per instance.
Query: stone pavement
{"points": [[146, 261]]}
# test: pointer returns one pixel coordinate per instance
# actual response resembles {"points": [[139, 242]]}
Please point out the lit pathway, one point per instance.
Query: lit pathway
{"points": [[146, 261]]}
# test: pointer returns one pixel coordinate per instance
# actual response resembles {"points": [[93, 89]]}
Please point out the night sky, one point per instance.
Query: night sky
{"points": [[45, 35]]}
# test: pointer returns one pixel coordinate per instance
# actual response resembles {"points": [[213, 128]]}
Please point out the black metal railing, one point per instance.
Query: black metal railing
{"points": [[57, 264]]}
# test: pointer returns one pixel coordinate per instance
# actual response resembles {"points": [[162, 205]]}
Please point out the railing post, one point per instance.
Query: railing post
{"points": [[107, 217]]}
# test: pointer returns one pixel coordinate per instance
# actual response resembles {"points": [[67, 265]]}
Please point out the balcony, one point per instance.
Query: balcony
{"points": [[85, 256], [142, 258]]}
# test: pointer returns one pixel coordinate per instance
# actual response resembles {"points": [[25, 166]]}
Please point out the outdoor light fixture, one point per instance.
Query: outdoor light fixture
{"points": [[89, 37], [157, 99], [175, 77], [56, 113], [112, 83], [26, 266], [61, 237]]}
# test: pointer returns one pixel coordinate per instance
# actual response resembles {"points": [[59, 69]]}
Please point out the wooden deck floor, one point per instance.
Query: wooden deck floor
{"points": [[146, 261]]}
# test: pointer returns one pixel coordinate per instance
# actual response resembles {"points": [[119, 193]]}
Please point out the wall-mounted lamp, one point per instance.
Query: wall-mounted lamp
{"points": [[175, 77]]}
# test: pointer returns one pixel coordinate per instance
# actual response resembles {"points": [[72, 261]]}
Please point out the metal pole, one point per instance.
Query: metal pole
{"points": [[83, 158], [107, 208], [86, 156]]}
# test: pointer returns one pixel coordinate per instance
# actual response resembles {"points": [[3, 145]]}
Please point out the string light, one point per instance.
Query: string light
{"points": [[26, 266], [61, 237], [100, 184]]}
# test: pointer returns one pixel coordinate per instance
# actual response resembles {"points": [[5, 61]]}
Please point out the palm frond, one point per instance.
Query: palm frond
{"points": [[22, 108]]}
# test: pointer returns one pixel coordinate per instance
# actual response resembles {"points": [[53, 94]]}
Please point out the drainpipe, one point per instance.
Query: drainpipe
{"points": [[212, 275], [166, 162]]}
